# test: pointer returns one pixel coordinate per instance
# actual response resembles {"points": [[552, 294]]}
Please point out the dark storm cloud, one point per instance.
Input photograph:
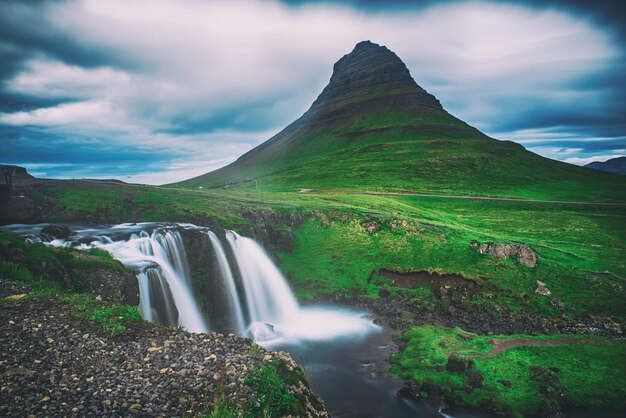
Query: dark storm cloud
{"points": [[610, 12]]}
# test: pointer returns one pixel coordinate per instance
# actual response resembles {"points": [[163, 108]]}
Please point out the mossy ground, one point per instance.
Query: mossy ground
{"points": [[22, 262], [588, 372]]}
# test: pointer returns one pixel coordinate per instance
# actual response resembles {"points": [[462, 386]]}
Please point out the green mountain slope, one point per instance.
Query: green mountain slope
{"points": [[373, 128]]}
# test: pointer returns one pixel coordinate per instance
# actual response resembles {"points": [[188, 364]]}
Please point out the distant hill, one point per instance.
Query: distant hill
{"points": [[614, 165], [373, 128], [15, 170]]}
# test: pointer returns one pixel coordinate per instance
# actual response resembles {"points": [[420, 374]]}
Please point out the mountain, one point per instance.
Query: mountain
{"points": [[614, 165], [373, 128]]}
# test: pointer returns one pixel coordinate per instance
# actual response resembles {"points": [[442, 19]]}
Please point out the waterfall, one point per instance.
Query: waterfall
{"points": [[268, 297], [169, 283], [260, 306], [227, 277]]}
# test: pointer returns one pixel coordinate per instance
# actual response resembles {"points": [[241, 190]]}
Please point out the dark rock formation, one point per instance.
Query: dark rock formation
{"points": [[14, 170], [407, 393], [57, 231], [272, 228], [210, 291], [110, 284], [368, 68], [458, 364]]}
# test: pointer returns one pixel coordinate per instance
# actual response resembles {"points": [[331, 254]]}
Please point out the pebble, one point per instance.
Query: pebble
{"points": [[70, 367]]}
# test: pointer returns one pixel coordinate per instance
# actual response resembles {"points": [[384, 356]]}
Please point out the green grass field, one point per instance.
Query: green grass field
{"points": [[333, 253]]}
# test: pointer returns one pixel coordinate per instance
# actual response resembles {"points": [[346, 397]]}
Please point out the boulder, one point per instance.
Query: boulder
{"points": [[57, 231], [458, 364], [500, 251], [407, 393], [370, 227], [525, 255]]}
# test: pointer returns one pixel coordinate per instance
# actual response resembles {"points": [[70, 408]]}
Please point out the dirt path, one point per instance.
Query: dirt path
{"points": [[502, 344], [501, 199]]}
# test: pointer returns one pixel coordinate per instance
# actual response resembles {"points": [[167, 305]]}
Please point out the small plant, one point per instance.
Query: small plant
{"points": [[271, 391], [222, 408]]}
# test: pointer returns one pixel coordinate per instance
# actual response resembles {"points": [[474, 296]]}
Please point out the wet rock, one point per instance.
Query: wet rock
{"points": [[407, 393], [58, 231], [542, 289]]}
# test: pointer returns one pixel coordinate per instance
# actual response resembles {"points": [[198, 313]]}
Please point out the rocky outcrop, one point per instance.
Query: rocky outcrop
{"points": [[524, 254], [74, 270], [57, 231], [369, 68], [112, 284], [458, 364], [210, 292], [273, 228]]}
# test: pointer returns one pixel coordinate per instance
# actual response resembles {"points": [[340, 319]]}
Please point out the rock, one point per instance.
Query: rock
{"points": [[458, 364], [500, 251], [370, 227], [407, 393], [57, 231], [525, 255], [505, 382], [542, 289], [18, 371], [473, 379]]}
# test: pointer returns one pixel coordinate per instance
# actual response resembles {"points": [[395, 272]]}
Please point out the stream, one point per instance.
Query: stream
{"points": [[344, 355]]}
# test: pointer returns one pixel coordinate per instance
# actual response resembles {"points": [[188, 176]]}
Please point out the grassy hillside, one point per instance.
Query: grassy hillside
{"points": [[373, 128]]}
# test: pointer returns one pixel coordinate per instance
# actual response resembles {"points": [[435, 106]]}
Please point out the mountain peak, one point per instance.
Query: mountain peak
{"points": [[368, 69]]}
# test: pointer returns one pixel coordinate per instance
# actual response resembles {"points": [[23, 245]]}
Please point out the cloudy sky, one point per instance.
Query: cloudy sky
{"points": [[157, 91]]}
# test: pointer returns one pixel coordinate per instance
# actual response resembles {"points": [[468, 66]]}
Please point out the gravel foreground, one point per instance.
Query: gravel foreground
{"points": [[55, 364]]}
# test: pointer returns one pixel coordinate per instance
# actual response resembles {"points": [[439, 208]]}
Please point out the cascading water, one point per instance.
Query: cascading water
{"points": [[268, 297], [257, 300], [227, 276], [275, 315], [164, 249]]}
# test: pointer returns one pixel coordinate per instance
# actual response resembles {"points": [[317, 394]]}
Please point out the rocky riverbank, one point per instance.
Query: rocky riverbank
{"points": [[57, 364], [452, 306]]}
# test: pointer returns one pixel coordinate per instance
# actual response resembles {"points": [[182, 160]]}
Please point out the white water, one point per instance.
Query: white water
{"points": [[261, 306], [227, 276], [163, 248], [275, 315]]}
